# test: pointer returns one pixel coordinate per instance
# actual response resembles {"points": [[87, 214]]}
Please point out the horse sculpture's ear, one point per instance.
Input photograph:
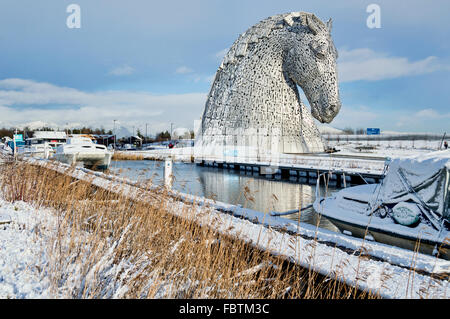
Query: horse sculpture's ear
{"points": [[312, 23], [329, 25]]}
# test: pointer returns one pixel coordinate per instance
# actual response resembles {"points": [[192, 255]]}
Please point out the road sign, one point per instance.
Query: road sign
{"points": [[373, 131], [18, 137]]}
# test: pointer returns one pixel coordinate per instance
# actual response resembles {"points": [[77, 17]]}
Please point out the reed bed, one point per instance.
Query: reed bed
{"points": [[108, 246], [124, 156]]}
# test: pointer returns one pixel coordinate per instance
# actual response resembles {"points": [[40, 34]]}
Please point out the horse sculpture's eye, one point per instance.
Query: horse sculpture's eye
{"points": [[319, 49], [320, 55]]}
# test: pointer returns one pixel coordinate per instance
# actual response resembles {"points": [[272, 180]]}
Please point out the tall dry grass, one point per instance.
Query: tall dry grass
{"points": [[124, 156], [108, 246]]}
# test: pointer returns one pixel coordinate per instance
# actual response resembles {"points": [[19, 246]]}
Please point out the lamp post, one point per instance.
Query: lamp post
{"points": [[14, 141], [114, 130], [146, 132]]}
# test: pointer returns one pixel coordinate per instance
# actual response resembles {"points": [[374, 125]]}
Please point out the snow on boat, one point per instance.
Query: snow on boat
{"points": [[408, 209], [83, 150]]}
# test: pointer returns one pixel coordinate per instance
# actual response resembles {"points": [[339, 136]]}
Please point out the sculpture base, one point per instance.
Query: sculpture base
{"points": [[250, 148]]}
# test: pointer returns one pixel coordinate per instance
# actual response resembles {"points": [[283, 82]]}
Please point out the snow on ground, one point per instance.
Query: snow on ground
{"points": [[386, 148], [23, 235], [4, 151], [25, 232], [395, 281], [26, 268]]}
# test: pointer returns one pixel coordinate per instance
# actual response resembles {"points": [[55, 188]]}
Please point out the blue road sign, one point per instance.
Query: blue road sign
{"points": [[373, 131]]}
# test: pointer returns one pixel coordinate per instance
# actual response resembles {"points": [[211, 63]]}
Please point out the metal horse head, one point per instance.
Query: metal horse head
{"points": [[311, 63]]}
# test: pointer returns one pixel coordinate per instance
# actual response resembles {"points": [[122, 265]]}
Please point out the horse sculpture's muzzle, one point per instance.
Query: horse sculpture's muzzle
{"points": [[325, 113], [331, 111]]}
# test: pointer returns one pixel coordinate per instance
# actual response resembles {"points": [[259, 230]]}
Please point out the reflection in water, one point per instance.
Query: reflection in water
{"points": [[246, 188]]}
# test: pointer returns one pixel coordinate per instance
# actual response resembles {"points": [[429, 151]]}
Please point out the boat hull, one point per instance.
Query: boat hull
{"points": [[349, 210], [416, 243], [99, 161]]}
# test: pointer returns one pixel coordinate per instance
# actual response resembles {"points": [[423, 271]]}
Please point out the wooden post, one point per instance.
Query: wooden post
{"points": [[338, 180], [285, 173], [168, 176], [46, 151]]}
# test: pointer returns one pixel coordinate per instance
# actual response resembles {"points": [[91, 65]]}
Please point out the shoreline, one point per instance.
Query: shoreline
{"points": [[261, 233]]}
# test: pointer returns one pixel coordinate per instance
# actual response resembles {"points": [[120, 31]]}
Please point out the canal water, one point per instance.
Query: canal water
{"points": [[242, 187]]}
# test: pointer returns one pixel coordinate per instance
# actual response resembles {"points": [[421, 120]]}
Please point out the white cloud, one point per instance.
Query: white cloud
{"points": [[366, 64], [420, 117], [23, 101], [194, 76], [122, 70], [183, 70], [428, 113]]}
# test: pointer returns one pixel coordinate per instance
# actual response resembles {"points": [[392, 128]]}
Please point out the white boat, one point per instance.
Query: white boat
{"points": [[83, 150], [408, 209], [43, 144]]}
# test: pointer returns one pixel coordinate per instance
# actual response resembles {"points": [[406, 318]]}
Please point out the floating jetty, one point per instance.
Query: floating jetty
{"points": [[342, 168], [355, 169]]}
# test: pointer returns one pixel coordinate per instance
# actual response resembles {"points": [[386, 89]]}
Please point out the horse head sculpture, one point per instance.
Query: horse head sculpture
{"points": [[311, 63], [254, 100]]}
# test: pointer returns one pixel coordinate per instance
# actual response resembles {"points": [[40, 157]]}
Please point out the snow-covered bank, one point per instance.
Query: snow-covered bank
{"points": [[309, 249], [375, 146], [29, 271], [24, 233]]}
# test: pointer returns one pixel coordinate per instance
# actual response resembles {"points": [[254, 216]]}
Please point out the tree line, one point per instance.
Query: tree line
{"points": [[351, 131], [27, 132]]}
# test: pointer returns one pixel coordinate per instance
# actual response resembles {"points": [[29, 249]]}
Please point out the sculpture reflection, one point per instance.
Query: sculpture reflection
{"points": [[243, 187]]}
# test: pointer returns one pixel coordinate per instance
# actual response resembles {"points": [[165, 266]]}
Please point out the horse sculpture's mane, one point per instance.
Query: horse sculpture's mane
{"points": [[253, 102], [264, 28]]}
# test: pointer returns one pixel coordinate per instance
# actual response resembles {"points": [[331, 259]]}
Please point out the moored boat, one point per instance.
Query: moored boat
{"points": [[43, 144], [408, 209], [83, 150]]}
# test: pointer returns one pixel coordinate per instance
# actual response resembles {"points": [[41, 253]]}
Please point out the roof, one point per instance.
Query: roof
{"points": [[49, 134]]}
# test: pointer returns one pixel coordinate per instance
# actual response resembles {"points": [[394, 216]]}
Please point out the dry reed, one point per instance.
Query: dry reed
{"points": [[108, 246], [125, 156]]}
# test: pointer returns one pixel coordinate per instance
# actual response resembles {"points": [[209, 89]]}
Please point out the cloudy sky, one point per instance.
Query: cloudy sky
{"points": [[152, 62]]}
